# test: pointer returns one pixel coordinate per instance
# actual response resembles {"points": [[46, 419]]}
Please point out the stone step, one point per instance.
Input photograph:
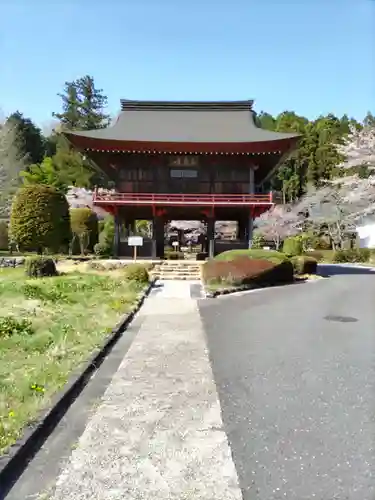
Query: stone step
{"points": [[193, 275], [182, 269], [179, 278]]}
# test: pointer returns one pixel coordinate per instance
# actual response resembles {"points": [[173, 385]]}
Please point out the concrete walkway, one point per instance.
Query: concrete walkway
{"points": [[157, 433]]}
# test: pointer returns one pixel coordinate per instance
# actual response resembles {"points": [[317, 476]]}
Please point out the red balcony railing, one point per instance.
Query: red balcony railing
{"points": [[174, 199]]}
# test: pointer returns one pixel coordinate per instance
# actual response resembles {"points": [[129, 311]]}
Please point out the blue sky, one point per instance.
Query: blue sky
{"points": [[311, 56]]}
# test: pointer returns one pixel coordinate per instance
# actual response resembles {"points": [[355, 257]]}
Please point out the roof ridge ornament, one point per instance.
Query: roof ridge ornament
{"points": [[131, 105]]}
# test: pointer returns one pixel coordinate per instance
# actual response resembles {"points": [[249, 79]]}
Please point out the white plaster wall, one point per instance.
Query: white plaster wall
{"points": [[366, 235]]}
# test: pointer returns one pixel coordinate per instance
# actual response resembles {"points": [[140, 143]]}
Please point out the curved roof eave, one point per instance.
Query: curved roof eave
{"points": [[260, 147]]}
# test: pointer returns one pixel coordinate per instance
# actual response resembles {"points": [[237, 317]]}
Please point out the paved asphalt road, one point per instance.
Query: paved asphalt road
{"points": [[294, 367]]}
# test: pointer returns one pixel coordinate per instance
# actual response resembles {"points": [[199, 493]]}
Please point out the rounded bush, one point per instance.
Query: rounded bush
{"points": [[136, 272], [101, 249], [271, 255], [40, 219], [292, 246], [39, 267], [316, 254], [245, 271], [304, 264], [84, 222]]}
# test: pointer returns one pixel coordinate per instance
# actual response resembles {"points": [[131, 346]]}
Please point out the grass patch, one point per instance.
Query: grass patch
{"points": [[48, 328]]}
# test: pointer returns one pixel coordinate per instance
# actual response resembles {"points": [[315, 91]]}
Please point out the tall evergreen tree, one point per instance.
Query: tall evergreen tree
{"points": [[11, 163], [31, 142], [83, 105]]}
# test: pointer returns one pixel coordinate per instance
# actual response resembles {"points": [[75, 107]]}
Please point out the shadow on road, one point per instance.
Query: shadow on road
{"points": [[327, 270]]}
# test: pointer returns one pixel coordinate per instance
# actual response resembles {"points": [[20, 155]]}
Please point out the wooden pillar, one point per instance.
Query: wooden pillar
{"points": [[211, 236], [250, 230], [251, 180], [160, 237], [116, 240], [250, 226], [242, 228], [153, 239], [130, 227]]}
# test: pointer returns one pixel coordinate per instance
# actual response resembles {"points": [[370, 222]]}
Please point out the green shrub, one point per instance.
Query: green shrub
{"points": [[4, 239], [249, 272], [322, 243], [316, 254], [101, 249], [292, 246], [40, 219], [85, 230], [352, 255], [258, 241], [107, 235], [303, 264], [11, 326], [39, 267], [51, 294], [136, 272], [271, 255]]}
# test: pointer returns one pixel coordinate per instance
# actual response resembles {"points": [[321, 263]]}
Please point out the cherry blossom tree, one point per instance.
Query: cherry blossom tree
{"points": [[337, 207], [278, 223], [358, 148]]}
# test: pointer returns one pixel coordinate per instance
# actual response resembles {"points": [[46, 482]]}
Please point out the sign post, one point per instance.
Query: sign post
{"points": [[135, 241]]}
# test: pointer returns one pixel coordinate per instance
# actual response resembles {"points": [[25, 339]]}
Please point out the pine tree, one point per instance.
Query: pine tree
{"points": [[83, 105], [31, 142], [11, 163]]}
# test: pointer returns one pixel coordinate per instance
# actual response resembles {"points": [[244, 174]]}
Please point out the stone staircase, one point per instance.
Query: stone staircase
{"points": [[177, 270]]}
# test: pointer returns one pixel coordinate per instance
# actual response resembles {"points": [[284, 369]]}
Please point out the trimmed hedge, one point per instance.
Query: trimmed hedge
{"points": [[303, 264], [136, 272], [102, 249], [292, 247], [40, 219], [270, 255], [40, 267], [352, 255], [243, 270], [315, 254]]}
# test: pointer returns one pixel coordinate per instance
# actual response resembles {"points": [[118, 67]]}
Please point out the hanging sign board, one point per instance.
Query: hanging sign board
{"points": [[135, 241]]}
